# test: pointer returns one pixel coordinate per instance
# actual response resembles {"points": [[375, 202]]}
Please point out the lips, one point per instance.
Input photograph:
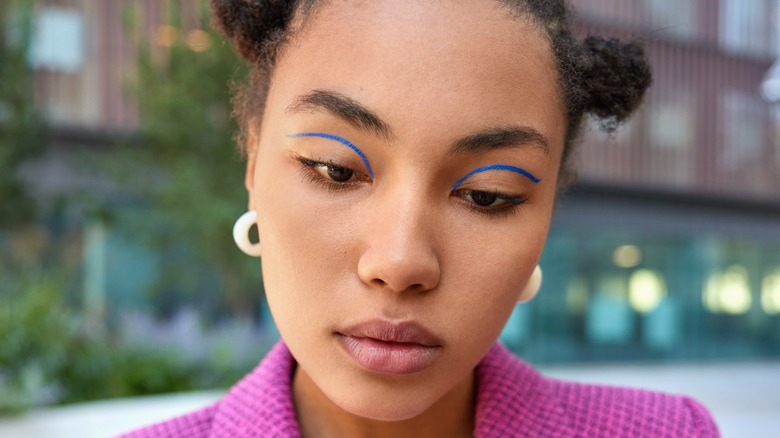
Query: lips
{"points": [[391, 348]]}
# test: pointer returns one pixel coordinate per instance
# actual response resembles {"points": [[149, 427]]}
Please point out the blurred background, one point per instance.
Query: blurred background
{"points": [[120, 183]]}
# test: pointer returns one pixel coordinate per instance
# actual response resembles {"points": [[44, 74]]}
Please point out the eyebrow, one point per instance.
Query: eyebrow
{"points": [[499, 138], [362, 118], [344, 108]]}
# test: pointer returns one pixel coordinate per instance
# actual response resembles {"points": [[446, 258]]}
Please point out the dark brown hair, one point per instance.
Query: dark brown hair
{"points": [[602, 78]]}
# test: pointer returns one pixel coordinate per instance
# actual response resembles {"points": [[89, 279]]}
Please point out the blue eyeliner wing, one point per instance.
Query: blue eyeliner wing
{"points": [[523, 172], [341, 140]]}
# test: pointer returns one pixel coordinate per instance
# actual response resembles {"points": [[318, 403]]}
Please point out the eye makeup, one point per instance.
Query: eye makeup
{"points": [[523, 172], [341, 140]]}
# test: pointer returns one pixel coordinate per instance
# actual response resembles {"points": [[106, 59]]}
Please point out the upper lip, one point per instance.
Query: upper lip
{"points": [[403, 332]]}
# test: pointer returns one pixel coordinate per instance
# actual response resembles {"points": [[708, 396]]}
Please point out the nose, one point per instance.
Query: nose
{"points": [[400, 255]]}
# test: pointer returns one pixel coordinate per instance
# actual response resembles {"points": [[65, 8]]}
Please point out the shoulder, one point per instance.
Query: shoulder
{"points": [[512, 397], [599, 410], [193, 425]]}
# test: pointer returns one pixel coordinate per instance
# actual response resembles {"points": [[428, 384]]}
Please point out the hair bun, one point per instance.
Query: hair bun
{"points": [[251, 23], [616, 76]]}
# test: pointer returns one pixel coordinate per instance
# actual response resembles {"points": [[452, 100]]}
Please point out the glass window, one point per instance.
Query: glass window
{"points": [[745, 26], [672, 123], [676, 18], [632, 295], [610, 320], [775, 153], [671, 136], [58, 40], [740, 160], [619, 11]]}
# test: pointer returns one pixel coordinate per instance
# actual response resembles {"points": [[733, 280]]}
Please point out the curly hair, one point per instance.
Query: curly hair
{"points": [[604, 78]]}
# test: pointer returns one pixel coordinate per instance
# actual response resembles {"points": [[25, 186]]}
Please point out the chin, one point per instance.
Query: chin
{"points": [[387, 406], [388, 413]]}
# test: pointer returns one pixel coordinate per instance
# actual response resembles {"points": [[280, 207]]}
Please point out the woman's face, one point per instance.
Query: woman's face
{"points": [[404, 179]]}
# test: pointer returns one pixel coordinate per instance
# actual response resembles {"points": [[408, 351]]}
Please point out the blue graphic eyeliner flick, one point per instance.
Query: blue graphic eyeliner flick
{"points": [[523, 172], [341, 140]]}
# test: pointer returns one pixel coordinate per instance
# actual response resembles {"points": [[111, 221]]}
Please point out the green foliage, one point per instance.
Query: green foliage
{"points": [[42, 338], [186, 166], [20, 123], [49, 355], [178, 191]]}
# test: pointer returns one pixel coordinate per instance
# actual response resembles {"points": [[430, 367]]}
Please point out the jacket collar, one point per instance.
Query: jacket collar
{"points": [[512, 399], [261, 403]]}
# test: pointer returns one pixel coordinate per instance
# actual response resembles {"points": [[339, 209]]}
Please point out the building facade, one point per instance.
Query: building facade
{"points": [[668, 247]]}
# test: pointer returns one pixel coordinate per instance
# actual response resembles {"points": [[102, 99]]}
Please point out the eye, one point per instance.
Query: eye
{"points": [[490, 202], [331, 175], [335, 173], [483, 199]]}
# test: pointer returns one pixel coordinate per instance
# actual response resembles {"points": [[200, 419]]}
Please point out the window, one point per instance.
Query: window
{"points": [[677, 18], [775, 153], [58, 40], [742, 121], [671, 134], [745, 27], [672, 123], [618, 11]]}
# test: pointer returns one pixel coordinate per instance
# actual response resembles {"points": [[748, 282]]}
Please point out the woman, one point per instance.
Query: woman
{"points": [[403, 162]]}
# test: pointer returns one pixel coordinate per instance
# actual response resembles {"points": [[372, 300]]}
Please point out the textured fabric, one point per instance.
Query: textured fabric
{"points": [[513, 400]]}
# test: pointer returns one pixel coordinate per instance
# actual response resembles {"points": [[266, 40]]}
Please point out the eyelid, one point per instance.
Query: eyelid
{"points": [[341, 140], [314, 176], [515, 169], [315, 162], [511, 204], [508, 197]]}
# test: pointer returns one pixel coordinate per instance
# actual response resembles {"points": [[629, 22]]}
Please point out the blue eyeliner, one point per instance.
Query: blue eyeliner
{"points": [[341, 140], [523, 172]]}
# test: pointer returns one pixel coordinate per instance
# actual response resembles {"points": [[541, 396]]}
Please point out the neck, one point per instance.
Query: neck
{"points": [[319, 417]]}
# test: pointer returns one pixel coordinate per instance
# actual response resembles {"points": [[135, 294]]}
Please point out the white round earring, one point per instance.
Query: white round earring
{"points": [[532, 288], [241, 234]]}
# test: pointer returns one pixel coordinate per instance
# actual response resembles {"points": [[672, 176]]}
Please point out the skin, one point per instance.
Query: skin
{"points": [[402, 246]]}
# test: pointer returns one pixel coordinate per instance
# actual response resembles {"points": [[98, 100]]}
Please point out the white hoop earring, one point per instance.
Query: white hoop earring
{"points": [[532, 288], [241, 234]]}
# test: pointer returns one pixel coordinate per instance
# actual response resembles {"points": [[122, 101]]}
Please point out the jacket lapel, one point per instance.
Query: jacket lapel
{"points": [[260, 405], [513, 399]]}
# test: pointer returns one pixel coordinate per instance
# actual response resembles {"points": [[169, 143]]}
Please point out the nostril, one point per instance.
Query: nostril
{"points": [[399, 265], [411, 288]]}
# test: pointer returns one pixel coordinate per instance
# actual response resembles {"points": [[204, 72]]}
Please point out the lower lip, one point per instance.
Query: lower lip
{"points": [[389, 357]]}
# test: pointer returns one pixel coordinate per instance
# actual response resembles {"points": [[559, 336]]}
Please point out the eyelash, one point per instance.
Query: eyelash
{"points": [[512, 202], [313, 176]]}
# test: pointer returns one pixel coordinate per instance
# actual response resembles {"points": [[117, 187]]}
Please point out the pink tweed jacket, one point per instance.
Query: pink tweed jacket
{"points": [[513, 400]]}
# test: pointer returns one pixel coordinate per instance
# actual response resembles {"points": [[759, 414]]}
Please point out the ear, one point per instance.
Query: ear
{"points": [[251, 160], [532, 288], [249, 178]]}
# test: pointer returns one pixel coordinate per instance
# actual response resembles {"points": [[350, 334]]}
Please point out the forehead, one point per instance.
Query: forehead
{"points": [[428, 65]]}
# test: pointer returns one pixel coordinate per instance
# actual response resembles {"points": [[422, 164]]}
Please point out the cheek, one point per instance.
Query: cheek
{"points": [[490, 282], [290, 221], [478, 295], [304, 243], [489, 270]]}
